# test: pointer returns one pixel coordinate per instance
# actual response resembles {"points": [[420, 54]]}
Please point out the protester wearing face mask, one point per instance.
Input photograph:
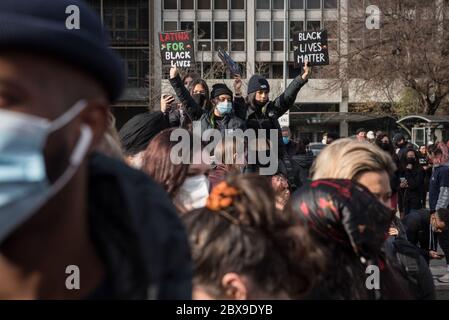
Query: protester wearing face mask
{"points": [[411, 183], [290, 145], [186, 183], [439, 195], [194, 97], [259, 112], [61, 204], [222, 116]]}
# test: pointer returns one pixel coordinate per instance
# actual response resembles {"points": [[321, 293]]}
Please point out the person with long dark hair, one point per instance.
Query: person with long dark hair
{"points": [[411, 182], [186, 184]]}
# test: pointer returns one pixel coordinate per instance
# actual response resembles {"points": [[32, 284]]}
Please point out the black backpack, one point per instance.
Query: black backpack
{"points": [[414, 268]]}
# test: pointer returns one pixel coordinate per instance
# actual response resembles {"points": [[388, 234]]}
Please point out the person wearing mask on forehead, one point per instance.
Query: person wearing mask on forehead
{"points": [[61, 204]]}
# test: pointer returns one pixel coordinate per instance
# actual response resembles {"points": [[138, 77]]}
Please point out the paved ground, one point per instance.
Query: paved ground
{"points": [[438, 268]]}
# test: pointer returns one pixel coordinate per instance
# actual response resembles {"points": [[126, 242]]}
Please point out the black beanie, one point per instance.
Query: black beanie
{"points": [[219, 89], [256, 83], [137, 133], [40, 26]]}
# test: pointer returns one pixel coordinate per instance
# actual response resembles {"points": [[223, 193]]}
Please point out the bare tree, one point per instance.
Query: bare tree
{"points": [[410, 49]]}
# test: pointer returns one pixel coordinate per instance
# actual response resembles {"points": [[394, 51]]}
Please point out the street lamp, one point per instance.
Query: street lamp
{"points": [[203, 46]]}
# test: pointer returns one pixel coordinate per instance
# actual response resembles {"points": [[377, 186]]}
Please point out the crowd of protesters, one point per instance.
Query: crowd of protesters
{"points": [[138, 225]]}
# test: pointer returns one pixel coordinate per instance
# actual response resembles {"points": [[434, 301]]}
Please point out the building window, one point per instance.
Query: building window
{"points": [[277, 71], [127, 22], [170, 25], [296, 4], [203, 4], [295, 26], [278, 35], [170, 4], [187, 25], [237, 33], [204, 33], [278, 4], [330, 4], [313, 4], [221, 30], [220, 4], [187, 4], [136, 65], [221, 33], [237, 4], [313, 25], [263, 68], [262, 4], [263, 35]]}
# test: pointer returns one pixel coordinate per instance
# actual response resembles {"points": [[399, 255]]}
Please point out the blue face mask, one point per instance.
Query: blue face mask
{"points": [[24, 186], [224, 107], [285, 139]]}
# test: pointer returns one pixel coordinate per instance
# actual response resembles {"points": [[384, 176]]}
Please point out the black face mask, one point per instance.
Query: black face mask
{"points": [[411, 160], [199, 98], [385, 146]]}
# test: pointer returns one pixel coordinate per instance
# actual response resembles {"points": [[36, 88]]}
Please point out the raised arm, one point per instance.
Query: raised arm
{"points": [[287, 99], [240, 107], [183, 94]]}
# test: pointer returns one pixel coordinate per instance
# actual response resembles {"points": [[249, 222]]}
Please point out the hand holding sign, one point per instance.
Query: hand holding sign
{"points": [[311, 45], [307, 69], [173, 72]]}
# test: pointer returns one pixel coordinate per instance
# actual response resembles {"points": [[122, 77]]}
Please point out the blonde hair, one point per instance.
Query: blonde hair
{"points": [[348, 159]]}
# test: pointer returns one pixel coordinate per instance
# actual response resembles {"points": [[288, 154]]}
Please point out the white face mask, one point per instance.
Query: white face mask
{"points": [[324, 141], [24, 185], [194, 192]]}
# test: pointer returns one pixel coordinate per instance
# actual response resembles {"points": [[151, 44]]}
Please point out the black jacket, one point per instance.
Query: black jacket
{"points": [[192, 110], [266, 117], [229, 122], [137, 234], [412, 195], [417, 226], [302, 164]]}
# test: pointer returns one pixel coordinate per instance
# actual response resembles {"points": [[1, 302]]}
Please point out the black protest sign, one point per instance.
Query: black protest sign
{"points": [[177, 48], [311, 46]]}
